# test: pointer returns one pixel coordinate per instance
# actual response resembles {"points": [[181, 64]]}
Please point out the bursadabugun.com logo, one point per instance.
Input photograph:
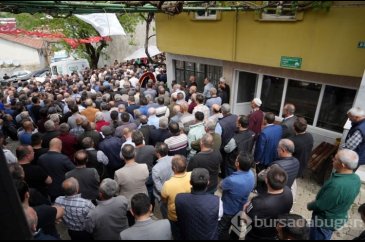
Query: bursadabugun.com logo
{"points": [[242, 224]]}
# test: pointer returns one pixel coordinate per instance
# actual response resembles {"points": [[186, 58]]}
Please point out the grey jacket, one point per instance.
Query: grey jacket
{"points": [[148, 230], [288, 127], [108, 219], [161, 173]]}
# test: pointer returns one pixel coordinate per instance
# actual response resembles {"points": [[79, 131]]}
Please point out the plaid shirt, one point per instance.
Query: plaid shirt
{"points": [[354, 141], [76, 210]]}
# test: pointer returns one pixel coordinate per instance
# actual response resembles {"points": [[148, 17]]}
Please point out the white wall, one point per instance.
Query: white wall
{"points": [[26, 56], [120, 47]]}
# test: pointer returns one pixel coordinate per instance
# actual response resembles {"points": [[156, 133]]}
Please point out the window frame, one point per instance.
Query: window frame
{"points": [[195, 71], [286, 84]]}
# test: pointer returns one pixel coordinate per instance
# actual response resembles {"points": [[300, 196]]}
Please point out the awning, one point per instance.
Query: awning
{"points": [[140, 53]]}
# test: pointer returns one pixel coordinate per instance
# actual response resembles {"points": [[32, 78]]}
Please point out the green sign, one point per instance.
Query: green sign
{"points": [[361, 45], [291, 62]]}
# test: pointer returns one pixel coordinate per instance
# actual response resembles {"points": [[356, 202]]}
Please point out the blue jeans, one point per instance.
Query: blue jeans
{"points": [[317, 233]]}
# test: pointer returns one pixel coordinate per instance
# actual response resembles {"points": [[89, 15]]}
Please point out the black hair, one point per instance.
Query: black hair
{"points": [[140, 204]]}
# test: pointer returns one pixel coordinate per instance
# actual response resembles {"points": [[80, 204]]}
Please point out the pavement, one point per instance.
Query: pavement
{"points": [[306, 193]]}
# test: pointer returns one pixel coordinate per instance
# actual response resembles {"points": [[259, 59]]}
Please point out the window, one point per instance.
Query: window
{"points": [[246, 87], [206, 15], [336, 102], [183, 70], [272, 93], [304, 96]]}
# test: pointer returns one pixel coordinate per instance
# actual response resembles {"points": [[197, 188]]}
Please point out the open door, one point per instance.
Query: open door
{"points": [[245, 88]]}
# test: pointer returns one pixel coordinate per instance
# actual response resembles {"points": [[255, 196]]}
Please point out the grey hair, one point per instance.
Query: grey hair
{"points": [[106, 97], [213, 91], [108, 188], [121, 106], [72, 190], [151, 111], [287, 145], [99, 117], [164, 123], [89, 102], [226, 108], [118, 97], [64, 128], [104, 106], [290, 108], [49, 125], [207, 141], [357, 112], [349, 158], [210, 125], [55, 118]]}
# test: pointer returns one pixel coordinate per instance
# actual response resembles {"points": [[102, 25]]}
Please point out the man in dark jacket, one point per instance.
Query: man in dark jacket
{"points": [[289, 120], [303, 142], [355, 139], [242, 142], [286, 161], [56, 165], [265, 208], [198, 213], [146, 129], [227, 128], [111, 146], [161, 134]]}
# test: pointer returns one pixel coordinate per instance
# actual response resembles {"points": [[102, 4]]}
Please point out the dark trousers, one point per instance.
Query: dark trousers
{"points": [[149, 185], [224, 226], [131, 220], [163, 210], [80, 235], [317, 233], [175, 230]]}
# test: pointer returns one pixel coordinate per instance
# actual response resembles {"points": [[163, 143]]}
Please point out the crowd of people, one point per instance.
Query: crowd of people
{"points": [[102, 152]]}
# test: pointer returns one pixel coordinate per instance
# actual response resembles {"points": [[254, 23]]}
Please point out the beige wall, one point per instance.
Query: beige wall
{"points": [[327, 42]]}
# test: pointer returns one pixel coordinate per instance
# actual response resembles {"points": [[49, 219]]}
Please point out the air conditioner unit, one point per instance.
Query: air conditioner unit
{"points": [[206, 15]]}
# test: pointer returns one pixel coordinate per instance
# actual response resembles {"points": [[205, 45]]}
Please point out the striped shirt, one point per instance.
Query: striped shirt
{"points": [[176, 143], [76, 210]]}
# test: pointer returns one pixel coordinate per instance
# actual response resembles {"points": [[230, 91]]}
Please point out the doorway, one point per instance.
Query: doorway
{"points": [[245, 87]]}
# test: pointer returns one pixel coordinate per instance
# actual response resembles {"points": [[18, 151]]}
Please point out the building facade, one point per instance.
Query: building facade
{"points": [[315, 60]]}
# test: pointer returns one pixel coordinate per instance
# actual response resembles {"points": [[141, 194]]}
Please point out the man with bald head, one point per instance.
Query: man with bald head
{"points": [[286, 160], [76, 209], [209, 159], [336, 197], [192, 90], [25, 137], [56, 165], [216, 113], [179, 183], [214, 99], [32, 220], [88, 178], [289, 120]]}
